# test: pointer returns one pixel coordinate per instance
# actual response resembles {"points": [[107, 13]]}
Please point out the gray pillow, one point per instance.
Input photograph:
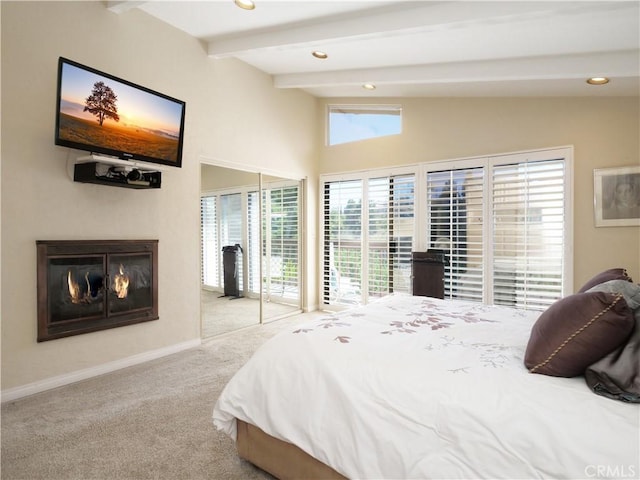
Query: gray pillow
{"points": [[630, 291], [617, 375]]}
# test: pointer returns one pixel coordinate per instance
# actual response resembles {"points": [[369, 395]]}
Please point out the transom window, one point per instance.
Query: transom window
{"points": [[350, 123]]}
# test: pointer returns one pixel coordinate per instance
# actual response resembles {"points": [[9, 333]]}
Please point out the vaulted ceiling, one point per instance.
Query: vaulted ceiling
{"points": [[421, 48]]}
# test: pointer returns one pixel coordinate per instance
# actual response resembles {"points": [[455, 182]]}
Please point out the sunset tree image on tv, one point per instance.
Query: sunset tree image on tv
{"points": [[103, 114], [102, 103]]}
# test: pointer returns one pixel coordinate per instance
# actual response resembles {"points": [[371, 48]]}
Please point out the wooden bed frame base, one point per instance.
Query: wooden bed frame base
{"points": [[281, 459]]}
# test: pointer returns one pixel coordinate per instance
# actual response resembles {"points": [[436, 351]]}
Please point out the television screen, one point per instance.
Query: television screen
{"points": [[103, 114]]}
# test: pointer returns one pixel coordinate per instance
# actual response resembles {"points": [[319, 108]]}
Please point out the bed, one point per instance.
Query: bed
{"points": [[415, 387]]}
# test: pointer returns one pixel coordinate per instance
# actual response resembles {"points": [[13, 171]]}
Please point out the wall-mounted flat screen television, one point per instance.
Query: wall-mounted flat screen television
{"points": [[103, 114]]}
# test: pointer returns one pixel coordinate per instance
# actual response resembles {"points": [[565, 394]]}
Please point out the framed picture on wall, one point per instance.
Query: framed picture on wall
{"points": [[617, 196]]}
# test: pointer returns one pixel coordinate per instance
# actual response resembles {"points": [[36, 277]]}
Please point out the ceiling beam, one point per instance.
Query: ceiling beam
{"points": [[398, 19], [612, 64]]}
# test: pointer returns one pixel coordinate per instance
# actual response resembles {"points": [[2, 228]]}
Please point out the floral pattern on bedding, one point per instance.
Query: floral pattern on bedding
{"points": [[433, 315], [325, 323], [496, 355], [430, 314], [424, 317]]}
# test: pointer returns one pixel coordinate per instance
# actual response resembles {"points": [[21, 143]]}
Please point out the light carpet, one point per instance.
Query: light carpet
{"points": [[149, 421]]}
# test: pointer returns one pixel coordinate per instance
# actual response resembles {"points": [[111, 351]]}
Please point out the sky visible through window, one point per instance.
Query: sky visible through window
{"points": [[350, 125]]}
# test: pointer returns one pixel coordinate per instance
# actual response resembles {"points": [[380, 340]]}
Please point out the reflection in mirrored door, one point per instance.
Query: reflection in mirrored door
{"points": [[281, 248], [250, 261]]}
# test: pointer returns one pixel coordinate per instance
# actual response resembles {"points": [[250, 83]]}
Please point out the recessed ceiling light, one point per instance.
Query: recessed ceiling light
{"points": [[369, 86], [598, 81], [246, 4], [319, 54]]}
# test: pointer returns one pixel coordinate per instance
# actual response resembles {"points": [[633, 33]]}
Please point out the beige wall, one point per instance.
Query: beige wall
{"points": [[605, 132], [229, 116]]}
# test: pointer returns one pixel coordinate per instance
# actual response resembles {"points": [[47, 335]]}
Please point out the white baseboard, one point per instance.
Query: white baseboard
{"points": [[68, 378]]}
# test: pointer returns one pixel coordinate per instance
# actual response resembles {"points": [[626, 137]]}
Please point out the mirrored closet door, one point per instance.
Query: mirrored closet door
{"points": [[250, 246]]}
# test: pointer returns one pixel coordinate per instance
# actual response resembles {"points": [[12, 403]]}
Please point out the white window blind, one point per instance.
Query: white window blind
{"points": [[281, 242], [342, 249], [502, 223], [528, 236], [390, 234], [210, 275], [455, 202], [384, 230]]}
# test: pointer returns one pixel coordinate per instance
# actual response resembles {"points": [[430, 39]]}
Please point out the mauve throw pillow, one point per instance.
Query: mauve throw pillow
{"points": [[577, 331], [611, 274]]}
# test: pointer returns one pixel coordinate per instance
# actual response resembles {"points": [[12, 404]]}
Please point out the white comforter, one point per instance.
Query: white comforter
{"points": [[415, 387]]}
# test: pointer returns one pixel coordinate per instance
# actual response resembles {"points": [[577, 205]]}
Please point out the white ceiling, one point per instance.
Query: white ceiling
{"points": [[421, 48]]}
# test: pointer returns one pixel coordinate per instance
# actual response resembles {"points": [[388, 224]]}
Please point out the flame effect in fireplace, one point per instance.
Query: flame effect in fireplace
{"points": [[76, 292], [121, 283]]}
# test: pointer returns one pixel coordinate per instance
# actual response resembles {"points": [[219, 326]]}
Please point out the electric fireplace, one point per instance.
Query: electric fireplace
{"points": [[89, 285]]}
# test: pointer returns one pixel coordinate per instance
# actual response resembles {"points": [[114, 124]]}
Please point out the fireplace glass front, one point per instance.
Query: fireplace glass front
{"points": [[84, 286]]}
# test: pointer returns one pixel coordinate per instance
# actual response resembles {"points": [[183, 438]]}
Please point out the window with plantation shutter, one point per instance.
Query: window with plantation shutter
{"points": [[342, 249], [367, 250], [503, 222], [529, 233], [389, 242], [209, 242], [455, 200], [281, 242]]}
